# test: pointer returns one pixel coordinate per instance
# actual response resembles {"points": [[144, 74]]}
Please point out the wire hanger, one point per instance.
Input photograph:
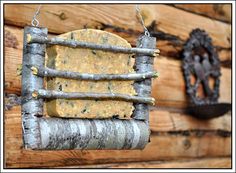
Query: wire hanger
{"points": [[34, 21], [146, 32]]}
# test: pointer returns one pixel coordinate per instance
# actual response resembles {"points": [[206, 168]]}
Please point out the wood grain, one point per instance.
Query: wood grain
{"points": [[14, 38], [219, 162], [196, 163], [163, 120], [80, 16], [169, 88], [170, 78], [180, 145], [162, 20], [220, 12]]}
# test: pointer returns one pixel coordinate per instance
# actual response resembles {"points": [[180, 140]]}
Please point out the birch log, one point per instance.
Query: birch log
{"points": [[143, 63], [33, 54], [58, 133]]}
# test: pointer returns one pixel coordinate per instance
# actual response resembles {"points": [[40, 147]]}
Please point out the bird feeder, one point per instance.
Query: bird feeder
{"points": [[51, 133]]}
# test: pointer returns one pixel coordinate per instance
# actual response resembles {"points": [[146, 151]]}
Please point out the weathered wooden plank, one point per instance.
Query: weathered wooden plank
{"points": [[179, 145], [162, 120], [214, 11], [80, 16], [196, 163], [171, 77], [224, 162], [163, 21], [169, 88], [12, 63], [14, 39]]}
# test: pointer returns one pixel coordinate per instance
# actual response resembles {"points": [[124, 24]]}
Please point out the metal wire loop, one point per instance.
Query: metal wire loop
{"points": [[34, 21], [146, 32]]}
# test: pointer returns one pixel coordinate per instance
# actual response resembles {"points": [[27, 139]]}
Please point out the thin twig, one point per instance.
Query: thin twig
{"points": [[52, 94], [48, 72], [75, 44]]}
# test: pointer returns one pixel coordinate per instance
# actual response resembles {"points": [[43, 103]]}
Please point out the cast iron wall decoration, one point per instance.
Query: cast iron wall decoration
{"points": [[201, 60], [200, 63], [41, 132]]}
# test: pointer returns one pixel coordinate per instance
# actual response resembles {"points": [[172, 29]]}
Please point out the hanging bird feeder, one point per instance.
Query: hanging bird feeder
{"points": [[72, 122]]}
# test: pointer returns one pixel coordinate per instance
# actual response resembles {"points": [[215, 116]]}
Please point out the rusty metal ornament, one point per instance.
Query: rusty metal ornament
{"points": [[200, 63]]}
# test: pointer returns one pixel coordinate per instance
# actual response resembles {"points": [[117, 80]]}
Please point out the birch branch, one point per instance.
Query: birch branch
{"points": [[143, 88], [91, 96], [75, 44], [31, 108], [48, 72]]}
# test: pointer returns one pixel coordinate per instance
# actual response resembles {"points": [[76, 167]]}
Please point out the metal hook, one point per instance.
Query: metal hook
{"points": [[146, 32], [34, 21]]}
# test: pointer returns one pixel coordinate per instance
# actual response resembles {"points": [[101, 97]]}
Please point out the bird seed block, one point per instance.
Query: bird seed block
{"points": [[85, 60]]}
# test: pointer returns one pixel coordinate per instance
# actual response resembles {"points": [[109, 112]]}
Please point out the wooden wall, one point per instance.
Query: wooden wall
{"points": [[177, 140]]}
